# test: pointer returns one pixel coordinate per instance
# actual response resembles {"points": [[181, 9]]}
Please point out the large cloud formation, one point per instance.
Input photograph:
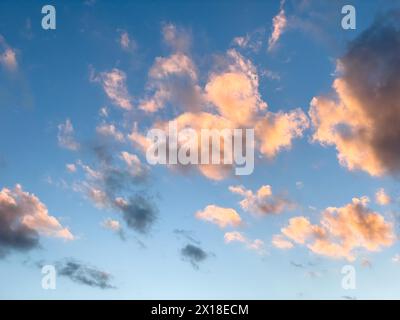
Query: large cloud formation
{"points": [[229, 99], [340, 232], [363, 121], [23, 218]]}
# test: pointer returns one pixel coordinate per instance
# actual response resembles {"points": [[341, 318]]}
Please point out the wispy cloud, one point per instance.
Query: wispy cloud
{"points": [[84, 274], [66, 137], [8, 55], [262, 201], [256, 245], [279, 24], [115, 87]]}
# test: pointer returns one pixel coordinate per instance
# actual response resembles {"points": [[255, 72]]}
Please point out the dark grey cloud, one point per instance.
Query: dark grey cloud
{"points": [[194, 255], [297, 265], [13, 234], [372, 70], [139, 212], [120, 189], [365, 116], [187, 235], [84, 274]]}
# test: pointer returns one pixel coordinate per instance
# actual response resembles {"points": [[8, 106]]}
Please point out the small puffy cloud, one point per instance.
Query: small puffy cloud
{"points": [[126, 42], [382, 198], [235, 236], [279, 24], [82, 273], [361, 121], [178, 39], [138, 212], [8, 56], [172, 79], [262, 201], [111, 224], [222, 217], [109, 130], [342, 231], [234, 91], [114, 85], [103, 112], [396, 258], [71, 167], [66, 137], [23, 218], [136, 168], [114, 226], [252, 41], [194, 254], [276, 131], [281, 242]]}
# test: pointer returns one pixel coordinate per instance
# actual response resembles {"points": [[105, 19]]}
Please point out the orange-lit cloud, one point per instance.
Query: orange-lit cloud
{"points": [[362, 120], [261, 202], [222, 217], [279, 24], [23, 216], [109, 130], [230, 100], [281, 242], [8, 56], [382, 197], [342, 231], [235, 236], [114, 85]]}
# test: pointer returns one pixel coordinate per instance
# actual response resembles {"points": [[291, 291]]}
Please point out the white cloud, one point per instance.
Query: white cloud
{"points": [[66, 137]]}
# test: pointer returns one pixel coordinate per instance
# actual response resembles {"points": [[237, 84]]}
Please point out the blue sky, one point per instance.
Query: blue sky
{"points": [[58, 78]]}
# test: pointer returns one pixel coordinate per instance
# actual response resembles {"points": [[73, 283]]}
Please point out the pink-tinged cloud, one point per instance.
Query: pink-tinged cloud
{"points": [[66, 136], [20, 210], [109, 130], [115, 87], [382, 198], [8, 56], [279, 24], [222, 217], [362, 119], [261, 202], [235, 236], [280, 242], [342, 231], [230, 100]]}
